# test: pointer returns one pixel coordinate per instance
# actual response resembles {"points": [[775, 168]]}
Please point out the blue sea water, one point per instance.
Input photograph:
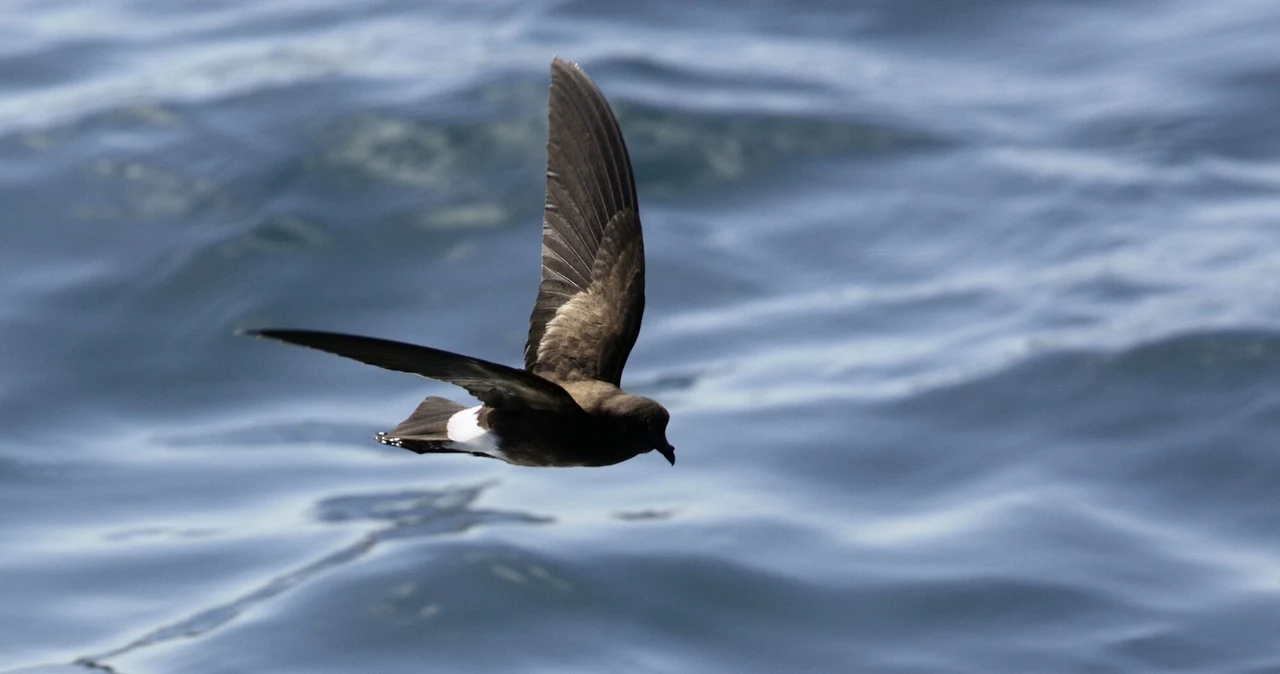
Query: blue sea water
{"points": [[968, 317]]}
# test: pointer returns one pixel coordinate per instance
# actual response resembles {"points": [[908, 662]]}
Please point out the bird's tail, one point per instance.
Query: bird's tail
{"points": [[426, 430]]}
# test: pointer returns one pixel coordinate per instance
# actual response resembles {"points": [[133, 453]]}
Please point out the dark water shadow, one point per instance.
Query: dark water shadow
{"points": [[404, 514]]}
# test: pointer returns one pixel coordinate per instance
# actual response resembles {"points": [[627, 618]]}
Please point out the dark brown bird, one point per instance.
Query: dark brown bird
{"points": [[564, 408]]}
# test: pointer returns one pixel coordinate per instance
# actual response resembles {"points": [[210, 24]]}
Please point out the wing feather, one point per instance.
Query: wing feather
{"points": [[493, 384], [592, 247], [592, 333]]}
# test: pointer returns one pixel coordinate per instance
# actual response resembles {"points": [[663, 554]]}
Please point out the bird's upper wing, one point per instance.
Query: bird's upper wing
{"points": [[591, 297], [493, 384]]}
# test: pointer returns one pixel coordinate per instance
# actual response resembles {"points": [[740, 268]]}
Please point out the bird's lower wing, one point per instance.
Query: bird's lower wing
{"points": [[493, 384]]}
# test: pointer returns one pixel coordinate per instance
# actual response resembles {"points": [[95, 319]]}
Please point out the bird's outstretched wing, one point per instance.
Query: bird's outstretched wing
{"points": [[493, 384], [591, 298]]}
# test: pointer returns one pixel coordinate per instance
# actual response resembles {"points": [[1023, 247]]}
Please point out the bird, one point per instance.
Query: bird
{"points": [[565, 407]]}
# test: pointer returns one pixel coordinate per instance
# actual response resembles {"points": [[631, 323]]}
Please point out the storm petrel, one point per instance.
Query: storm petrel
{"points": [[564, 408]]}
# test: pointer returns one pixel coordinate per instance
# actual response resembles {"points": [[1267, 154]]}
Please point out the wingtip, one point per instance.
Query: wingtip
{"points": [[559, 63], [276, 334]]}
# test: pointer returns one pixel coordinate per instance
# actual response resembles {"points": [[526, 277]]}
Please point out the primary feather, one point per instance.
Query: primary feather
{"points": [[591, 298]]}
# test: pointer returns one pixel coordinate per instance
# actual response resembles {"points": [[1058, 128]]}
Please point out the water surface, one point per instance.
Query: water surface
{"points": [[968, 319]]}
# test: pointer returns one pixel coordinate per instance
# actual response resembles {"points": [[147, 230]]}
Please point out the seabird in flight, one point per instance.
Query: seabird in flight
{"points": [[565, 408]]}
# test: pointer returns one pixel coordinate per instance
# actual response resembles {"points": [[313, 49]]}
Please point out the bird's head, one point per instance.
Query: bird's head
{"points": [[655, 420], [649, 421]]}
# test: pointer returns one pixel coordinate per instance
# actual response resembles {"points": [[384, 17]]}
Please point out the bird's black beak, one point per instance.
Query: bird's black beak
{"points": [[669, 452]]}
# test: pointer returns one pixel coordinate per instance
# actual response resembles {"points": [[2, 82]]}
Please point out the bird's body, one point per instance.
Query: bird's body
{"points": [[607, 431], [565, 408]]}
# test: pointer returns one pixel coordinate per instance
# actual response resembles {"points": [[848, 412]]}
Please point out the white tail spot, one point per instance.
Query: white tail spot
{"points": [[464, 431]]}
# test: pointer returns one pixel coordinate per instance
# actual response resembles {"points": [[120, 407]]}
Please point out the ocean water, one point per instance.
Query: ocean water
{"points": [[968, 317]]}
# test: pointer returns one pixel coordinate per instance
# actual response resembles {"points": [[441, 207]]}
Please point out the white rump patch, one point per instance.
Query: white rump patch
{"points": [[466, 434]]}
